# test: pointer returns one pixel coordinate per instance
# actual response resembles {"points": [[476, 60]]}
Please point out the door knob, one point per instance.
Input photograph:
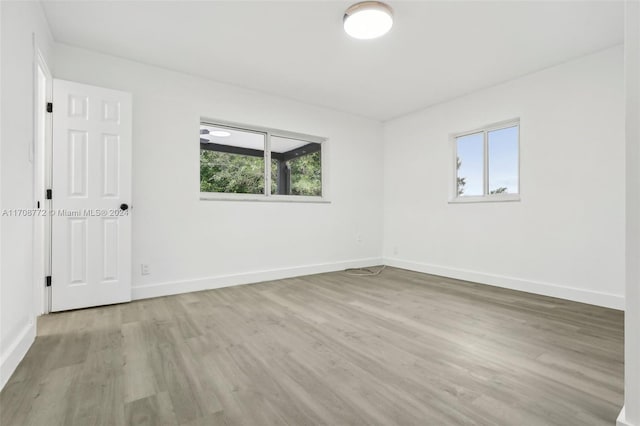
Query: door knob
{"points": [[124, 207]]}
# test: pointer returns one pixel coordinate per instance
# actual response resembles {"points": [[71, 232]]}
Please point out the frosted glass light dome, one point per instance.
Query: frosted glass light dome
{"points": [[368, 19]]}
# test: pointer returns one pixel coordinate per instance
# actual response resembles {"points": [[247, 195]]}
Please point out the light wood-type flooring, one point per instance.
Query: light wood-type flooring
{"points": [[400, 348]]}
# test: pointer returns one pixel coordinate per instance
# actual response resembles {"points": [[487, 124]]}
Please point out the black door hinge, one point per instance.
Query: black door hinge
{"points": [[47, 281], [49, 106], [49, 194]]}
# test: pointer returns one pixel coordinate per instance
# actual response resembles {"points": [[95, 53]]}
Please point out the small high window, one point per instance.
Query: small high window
{"points": [[487, 163]]}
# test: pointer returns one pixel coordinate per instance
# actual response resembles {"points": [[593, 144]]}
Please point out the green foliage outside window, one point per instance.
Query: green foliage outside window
{"points": [[241, 174], [306, 175], [231, 173]]}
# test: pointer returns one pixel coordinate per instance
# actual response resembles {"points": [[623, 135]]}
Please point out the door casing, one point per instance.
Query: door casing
{"points": [[41, 160]]}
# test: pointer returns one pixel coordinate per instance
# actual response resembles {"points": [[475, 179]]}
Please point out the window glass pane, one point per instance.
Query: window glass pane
{"points": [[470, 164], [503, 160], [231, 160], [296, 167]]}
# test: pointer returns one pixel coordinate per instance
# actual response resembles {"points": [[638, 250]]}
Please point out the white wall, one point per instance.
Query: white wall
{"points": [[566, 237], [192, 244], [631, 412], [20, 20]]}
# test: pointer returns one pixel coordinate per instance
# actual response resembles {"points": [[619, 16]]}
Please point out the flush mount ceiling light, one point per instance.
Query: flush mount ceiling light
{"points": [[368, 19], [220, 133]]}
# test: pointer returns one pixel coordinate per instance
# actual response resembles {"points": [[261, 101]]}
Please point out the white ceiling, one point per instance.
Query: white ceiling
{"points": [[298, 49]]}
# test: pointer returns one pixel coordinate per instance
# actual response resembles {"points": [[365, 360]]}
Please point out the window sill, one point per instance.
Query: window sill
{"points": [[210, 196], [486, 199]]}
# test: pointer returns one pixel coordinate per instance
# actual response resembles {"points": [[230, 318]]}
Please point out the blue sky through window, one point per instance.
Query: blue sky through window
{"points": [[471, 158], [502, 160]]}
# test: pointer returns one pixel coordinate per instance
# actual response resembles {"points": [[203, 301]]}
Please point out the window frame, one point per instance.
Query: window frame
{"points": [[486, 197], [268, 196]]}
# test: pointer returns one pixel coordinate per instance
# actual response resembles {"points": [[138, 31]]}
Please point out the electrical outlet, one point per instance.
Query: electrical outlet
{"points": [[359, 238], [144, 269]]}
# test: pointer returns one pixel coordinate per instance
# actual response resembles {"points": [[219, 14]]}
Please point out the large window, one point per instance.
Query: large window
{"points": [[243, 162], [487, 163]]}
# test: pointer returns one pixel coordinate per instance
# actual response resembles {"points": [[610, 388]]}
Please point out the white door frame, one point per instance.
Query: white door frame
{"points": [[41, 158]]}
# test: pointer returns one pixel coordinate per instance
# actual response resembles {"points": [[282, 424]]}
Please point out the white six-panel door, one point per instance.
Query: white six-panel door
{"points": [[91, 230]]}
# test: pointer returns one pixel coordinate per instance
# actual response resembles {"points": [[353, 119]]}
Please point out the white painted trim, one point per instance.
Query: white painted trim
{"points": [[622, 420], [221, 196], [493, 198], [607, 300], [15, 352], [186, 286], [41, 180]]}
